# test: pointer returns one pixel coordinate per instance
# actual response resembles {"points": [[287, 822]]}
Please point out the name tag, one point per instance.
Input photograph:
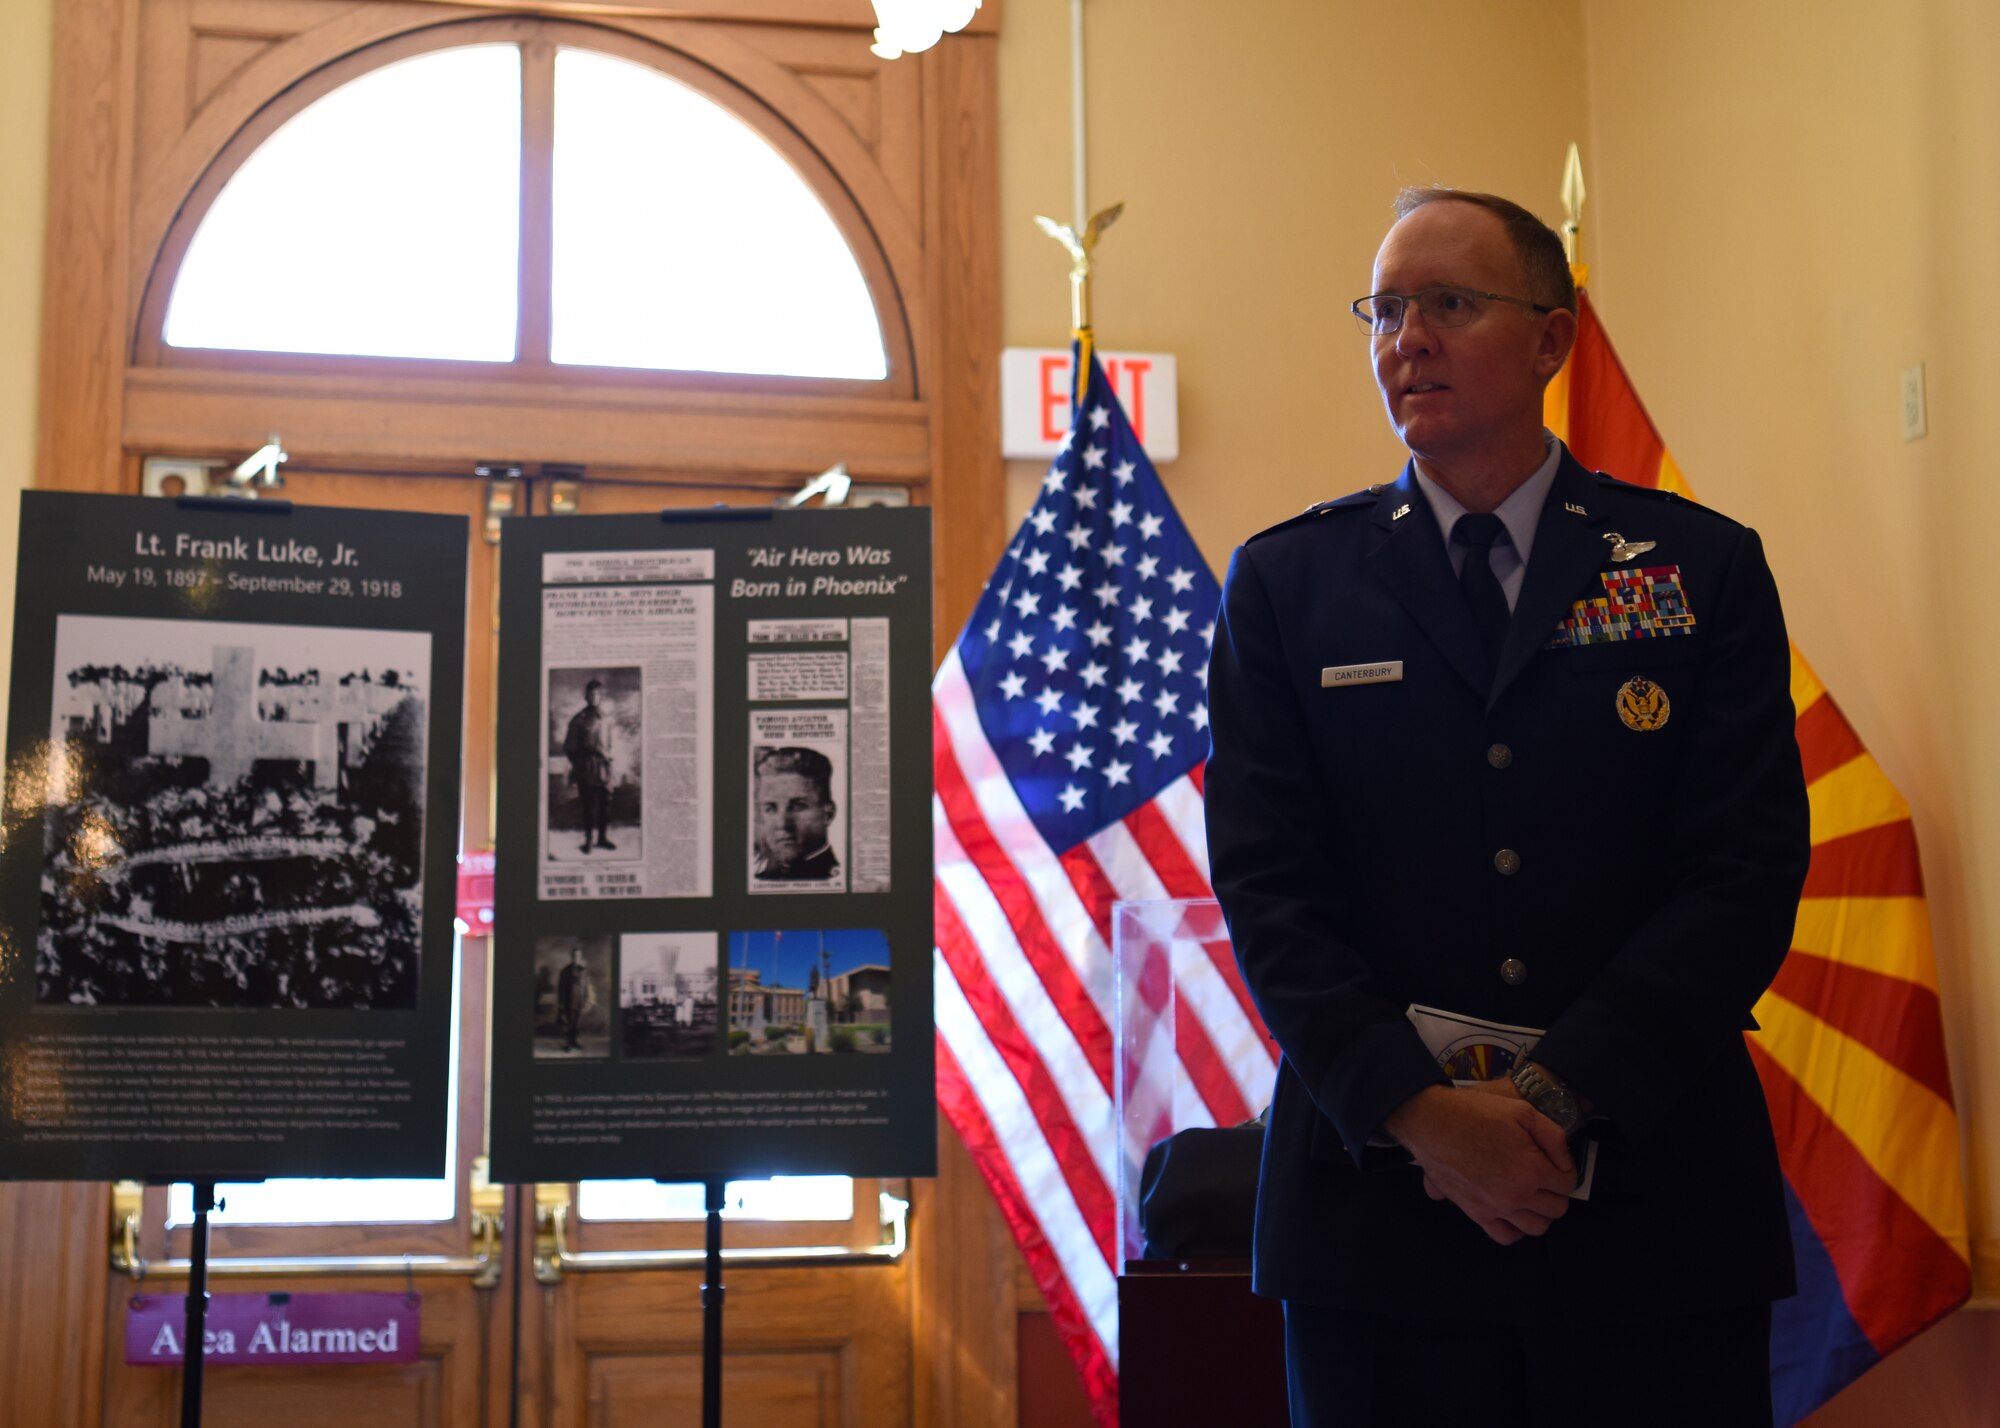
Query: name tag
{"points": [[1336, 675]]}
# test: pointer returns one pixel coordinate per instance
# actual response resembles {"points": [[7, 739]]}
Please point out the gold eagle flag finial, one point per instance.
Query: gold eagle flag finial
{"points": [[1080, 247]]}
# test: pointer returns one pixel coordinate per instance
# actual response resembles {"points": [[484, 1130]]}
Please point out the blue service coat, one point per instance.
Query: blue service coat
{"points": [[1379, 844]]}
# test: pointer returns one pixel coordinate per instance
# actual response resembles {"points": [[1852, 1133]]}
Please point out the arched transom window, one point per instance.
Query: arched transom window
{"points": [[542, 203]]}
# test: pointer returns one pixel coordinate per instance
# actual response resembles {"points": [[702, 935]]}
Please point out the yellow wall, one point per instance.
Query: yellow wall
{"points": [[1257, 147], [1794, 201], [24, 119]]}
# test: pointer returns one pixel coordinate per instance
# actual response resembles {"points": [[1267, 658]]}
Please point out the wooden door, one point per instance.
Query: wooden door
{"points": [[461, 1377], [804, 1345], [156, 101]]}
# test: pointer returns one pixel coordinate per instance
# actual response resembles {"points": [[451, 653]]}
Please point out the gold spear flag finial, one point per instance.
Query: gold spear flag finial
{"points": [[1572, 199], [1080, 246]]}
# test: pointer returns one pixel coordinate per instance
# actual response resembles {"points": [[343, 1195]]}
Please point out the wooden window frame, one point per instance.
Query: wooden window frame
{"points": [[537, 41]]}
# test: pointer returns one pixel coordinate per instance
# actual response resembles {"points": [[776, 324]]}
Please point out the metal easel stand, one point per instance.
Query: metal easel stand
{"points": [[711, 1311], [195, 1333]]}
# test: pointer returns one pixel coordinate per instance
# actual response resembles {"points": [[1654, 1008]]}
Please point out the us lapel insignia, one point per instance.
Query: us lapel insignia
{"points": [[1623, 549], [1643, 705], [1574, 509], [1400, 512]]}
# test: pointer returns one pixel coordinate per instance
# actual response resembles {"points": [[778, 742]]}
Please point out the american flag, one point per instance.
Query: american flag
{"points": [[1070, 730]]}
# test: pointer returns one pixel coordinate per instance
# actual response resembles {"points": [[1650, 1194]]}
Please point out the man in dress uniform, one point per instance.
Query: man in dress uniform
{"points": [[1509, 740]]}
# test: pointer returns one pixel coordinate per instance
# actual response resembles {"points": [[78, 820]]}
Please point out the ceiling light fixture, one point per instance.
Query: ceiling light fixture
{"points": [[907, 26]]}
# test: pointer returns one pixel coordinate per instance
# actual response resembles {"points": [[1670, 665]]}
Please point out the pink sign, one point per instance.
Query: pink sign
{"points": [[276, 1329], [475, 893]]}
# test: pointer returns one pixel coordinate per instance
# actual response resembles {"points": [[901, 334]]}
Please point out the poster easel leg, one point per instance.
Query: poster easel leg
{"points": [[711, 1313], [197, 1307]]}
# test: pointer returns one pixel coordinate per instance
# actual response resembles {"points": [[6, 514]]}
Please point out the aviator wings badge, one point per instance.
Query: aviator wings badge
{"points": [[1623, 549]]}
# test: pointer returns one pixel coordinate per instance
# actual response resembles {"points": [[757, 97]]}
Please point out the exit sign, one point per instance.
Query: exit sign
{"points": [[1035, 406]]}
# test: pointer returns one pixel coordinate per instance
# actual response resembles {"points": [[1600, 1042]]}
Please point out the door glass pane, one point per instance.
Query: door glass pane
{"points": [[683, 240], [382, 220], [785, 1197], [346, 1202]]}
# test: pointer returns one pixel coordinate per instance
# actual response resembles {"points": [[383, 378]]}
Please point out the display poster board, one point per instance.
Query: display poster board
{"points": [[226, 892], [712, 947]]}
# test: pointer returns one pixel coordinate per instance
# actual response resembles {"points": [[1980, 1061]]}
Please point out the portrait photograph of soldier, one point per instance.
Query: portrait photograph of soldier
{"points": [[572, 998], [595, 727], [234, 816], [794, 819]]}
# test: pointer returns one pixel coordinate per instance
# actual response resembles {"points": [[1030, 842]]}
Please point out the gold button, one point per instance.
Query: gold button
{"points": [[1499, 756], [1513, 971], [1506, 862]]}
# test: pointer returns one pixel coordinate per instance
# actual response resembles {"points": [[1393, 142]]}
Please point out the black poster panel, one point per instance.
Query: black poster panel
{"points": [[231, 813], [712, 913]]}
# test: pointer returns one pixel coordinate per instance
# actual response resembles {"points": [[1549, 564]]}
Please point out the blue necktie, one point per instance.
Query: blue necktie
{"points": [[1484, 598]]}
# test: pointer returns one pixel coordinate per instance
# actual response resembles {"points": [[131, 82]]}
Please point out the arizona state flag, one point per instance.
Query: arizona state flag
{"points": [[1851, 1050]]}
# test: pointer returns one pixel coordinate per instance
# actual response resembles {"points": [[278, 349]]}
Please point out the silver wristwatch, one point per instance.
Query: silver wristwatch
{"points": [[1555, 1101]]}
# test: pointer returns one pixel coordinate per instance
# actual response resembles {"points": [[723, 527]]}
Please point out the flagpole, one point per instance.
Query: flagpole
{"points": [[1079, 237], [1080, 208]]}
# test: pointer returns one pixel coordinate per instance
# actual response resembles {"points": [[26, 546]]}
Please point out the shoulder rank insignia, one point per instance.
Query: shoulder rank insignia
{"points": [[1635, 604], [1318, 508], [1643, 705], [1623, 550]]}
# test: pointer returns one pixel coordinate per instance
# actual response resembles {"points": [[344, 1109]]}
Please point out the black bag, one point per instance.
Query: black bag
{"points": [[1198, 1193]]}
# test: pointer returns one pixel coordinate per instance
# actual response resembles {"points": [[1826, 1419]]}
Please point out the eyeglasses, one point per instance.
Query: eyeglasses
{"points": [[1445, 305]]}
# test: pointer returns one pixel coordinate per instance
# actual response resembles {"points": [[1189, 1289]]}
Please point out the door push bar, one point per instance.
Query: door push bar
{"points": [[554, 1257], [482, 1266]]}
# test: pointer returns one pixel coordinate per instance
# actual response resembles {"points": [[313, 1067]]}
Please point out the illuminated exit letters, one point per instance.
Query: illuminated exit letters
{"points": [[1034, 400]]}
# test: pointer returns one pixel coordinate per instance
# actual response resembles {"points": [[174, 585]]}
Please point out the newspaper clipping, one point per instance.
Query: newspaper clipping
{"points": [[868, 758], [628, 724], [798, 787], [819, 778]]}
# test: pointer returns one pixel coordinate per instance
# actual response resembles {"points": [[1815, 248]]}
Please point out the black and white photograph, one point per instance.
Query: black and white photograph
{"points": [[235, 816], [666, 995], [797, 795], [596, 725], [573, 1004], [800, 993]]}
